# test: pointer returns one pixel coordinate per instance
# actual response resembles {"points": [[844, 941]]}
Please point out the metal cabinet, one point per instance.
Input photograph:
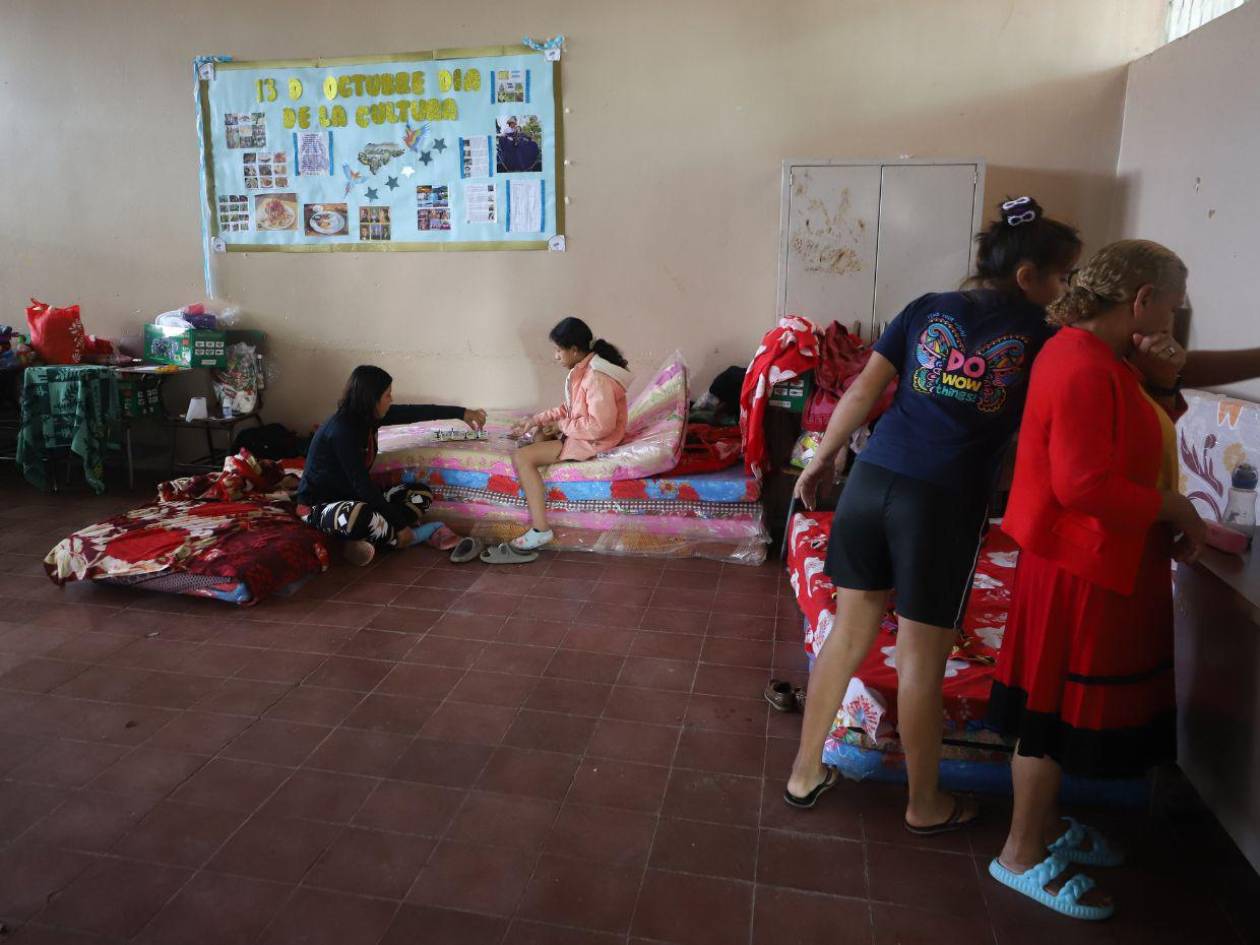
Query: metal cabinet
{"points": [[860, 239]]}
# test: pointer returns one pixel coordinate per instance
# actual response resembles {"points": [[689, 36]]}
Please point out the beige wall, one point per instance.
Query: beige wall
{"points": [[681, 113], [1188, 171]]}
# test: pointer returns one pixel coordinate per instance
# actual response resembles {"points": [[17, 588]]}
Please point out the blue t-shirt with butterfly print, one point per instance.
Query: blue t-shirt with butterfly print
{"points": [[964, 359]]}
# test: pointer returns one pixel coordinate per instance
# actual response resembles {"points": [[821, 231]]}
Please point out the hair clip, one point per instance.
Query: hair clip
{"points": [[1014, 218]]}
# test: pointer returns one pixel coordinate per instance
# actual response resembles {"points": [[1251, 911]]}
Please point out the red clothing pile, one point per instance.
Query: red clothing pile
{"points": [[786, 352], [842, 358]]}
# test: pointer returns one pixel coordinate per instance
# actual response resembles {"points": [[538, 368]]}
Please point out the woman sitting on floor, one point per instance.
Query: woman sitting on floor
{"points": [[591, 420], [337, 496]]}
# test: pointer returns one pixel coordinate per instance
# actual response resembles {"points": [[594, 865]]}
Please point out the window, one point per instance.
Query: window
{"points": [[1187, 15]]}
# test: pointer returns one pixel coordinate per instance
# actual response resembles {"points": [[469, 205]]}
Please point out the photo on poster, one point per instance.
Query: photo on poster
{"points": [[474, 154], [518, 144], [265, 171], [245, 130], [479, 202], [374, 223], [430, 219], [313, 153], [523, 206], [275, 212], [233, 213], [432, 195], [433, 207], [326, 219], [511, 86]]}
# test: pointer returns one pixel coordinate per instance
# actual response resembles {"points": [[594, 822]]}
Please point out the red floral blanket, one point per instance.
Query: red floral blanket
{"points": [[871, 701], [238, 525]]}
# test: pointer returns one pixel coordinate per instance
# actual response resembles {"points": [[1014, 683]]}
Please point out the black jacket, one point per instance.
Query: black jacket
{"points": [[342, 453]]}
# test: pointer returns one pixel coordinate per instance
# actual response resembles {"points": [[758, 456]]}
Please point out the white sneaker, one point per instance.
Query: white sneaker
{"points": [[532, 540]]}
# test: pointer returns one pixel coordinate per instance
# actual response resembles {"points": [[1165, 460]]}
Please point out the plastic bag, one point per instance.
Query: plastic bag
{"points": [[56, 333], [806, 445], [236, 386], [209, 314]]}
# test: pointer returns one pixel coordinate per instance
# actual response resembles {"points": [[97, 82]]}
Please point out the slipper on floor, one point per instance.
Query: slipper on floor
{"points": [[467, 549], [810, 799], [1071, 847], [503, 553], [1067, 901], [955, 822]]}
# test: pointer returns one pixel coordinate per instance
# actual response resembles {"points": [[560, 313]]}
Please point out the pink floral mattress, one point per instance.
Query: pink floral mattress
{"points": [[655, 425]]}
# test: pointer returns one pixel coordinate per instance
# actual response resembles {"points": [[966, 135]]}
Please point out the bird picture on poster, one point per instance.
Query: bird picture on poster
{"points": [[353, 177], [412, 137]]}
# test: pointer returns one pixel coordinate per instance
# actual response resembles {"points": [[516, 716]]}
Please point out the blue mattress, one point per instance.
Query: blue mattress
{"points": [[727, 485]]}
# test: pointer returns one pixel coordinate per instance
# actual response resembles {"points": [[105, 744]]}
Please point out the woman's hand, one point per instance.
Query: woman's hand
{"points": [[1185, 519], [475, 418], [807, 483], [522, 428], [1159, 358]]}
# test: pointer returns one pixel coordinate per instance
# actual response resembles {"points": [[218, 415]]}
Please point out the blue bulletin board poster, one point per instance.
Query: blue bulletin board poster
{"points": [[448, 150]]}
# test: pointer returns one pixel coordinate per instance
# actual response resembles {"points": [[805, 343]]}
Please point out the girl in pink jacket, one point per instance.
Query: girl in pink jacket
{"points": [[591, 420]]}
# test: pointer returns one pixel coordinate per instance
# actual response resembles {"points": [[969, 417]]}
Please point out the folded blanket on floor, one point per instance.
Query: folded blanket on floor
{"points": [[236, 526]]}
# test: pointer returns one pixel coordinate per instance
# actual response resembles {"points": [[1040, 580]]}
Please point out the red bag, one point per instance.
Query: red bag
{"points": [[56, 333]]}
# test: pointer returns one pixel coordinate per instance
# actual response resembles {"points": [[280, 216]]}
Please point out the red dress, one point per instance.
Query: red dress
{"points": [[1085, 673]]}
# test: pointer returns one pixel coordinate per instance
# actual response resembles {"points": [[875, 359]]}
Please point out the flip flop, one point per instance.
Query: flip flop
{"points": [[467, 549], [1067, 901], [1070, 846], [810, 799], [503, 553], [955, 822]]}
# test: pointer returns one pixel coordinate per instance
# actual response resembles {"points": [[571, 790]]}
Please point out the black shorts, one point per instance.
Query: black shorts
{"points": [[894, 531]]}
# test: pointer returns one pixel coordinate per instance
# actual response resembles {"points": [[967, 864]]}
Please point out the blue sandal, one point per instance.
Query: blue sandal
{"points": [[1067, 901], [1070, 846]]}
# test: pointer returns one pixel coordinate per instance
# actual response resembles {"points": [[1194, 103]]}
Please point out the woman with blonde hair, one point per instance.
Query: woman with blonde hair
{"points": [[1085, 676]]}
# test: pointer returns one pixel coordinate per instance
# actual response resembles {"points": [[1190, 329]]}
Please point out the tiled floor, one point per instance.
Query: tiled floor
{"points": [[567, 753]]}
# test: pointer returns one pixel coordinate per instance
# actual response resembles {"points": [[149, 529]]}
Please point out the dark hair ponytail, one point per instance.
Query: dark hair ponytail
{"points": [[364, 389], [1022, 233], [575, 333]]}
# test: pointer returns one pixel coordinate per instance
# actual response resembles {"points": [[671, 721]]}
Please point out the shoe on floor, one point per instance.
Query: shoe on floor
{"points": [[532, 540], [358, 553], [809, 800], [467, 550], [781, 695], [1067, 901], [504, 553]]}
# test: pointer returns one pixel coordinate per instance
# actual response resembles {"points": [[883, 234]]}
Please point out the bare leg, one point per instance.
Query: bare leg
{"points": [[1036, 782], [527, 461], [858, 614], [922, 651]]}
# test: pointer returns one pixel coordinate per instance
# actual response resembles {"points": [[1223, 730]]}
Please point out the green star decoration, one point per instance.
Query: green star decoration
{"points": [[392, 183], [425, 158], [439, 145], [372, 194]]}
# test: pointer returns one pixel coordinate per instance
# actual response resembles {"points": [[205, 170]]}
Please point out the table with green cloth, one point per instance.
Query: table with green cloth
{"points": [[71, 407]]}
